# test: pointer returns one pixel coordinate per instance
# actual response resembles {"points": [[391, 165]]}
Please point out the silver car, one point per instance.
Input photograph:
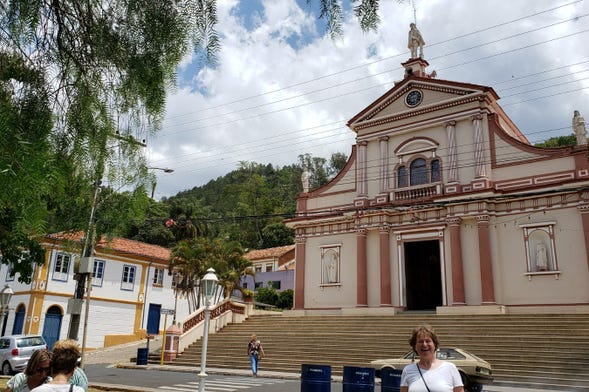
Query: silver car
{"points": [[15, 351]]}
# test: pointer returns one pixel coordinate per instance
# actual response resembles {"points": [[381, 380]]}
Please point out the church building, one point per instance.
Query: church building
{"points": [[445, 206]]}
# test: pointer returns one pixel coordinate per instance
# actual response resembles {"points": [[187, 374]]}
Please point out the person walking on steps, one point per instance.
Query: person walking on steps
{"points": [[255, 351]]}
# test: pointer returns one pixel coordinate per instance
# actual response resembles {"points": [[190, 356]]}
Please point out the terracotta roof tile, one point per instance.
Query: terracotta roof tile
{"points": [[118, 245], [268, 252]]}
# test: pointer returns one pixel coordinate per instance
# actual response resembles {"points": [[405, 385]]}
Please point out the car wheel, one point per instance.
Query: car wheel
{"points": [[6, 369], [475, 388]]}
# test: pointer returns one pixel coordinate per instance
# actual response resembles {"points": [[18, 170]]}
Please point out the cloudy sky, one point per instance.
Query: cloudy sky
{"points": [[283, 88]]}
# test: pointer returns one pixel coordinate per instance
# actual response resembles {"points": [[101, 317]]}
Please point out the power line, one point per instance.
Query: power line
{"points": [[277, 145], [308, 103]]}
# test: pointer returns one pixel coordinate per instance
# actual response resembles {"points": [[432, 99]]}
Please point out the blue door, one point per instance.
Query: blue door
{"points": [[19, 320], [52, 326], [153, 319]]}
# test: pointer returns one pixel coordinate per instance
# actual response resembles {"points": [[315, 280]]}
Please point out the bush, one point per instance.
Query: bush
{"points": [[267, 295], [285, 299]]}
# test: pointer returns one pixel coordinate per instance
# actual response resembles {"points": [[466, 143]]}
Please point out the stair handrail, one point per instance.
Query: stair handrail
{"points": [[222, 307], [223, 313]]}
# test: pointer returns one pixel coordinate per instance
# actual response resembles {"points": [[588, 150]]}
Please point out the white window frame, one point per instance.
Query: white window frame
{"points": [[128, 277], [8, 272], [97, 280], [158, 277], [64, 262]]}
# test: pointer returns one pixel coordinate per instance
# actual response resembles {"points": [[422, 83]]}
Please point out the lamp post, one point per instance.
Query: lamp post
{"points": [[165, 170], [5, 296], [207, 283]]}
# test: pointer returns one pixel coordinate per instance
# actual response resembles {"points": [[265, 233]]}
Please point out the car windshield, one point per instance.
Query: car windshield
{"points": [[442, 353], [448, 353], [30, 341]]}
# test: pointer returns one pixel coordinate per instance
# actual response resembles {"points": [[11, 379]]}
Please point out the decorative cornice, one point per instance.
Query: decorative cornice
{"points": [[483, 218], [414, 113], [454, 221]]}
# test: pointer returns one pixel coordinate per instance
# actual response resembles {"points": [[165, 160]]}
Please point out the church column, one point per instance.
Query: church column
{"points": [[385, 268], [384, 164], [479, 140], [452, 154], [487, 286], [362, 147], [584, 209], [300, 258], [361, 272], [458, 297]]}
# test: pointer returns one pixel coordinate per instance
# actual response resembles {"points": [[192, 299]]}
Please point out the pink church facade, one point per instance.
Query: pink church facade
{"points": [[445, 206]]}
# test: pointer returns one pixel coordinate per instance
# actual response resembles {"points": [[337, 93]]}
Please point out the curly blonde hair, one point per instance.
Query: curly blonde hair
{"points": [[424, 330]]}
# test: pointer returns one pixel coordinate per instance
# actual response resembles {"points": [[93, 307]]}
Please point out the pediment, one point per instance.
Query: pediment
{"points": [[433, 95]]}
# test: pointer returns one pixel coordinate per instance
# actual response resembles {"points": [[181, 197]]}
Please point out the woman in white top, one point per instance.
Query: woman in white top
{"points": [[430, 374]]}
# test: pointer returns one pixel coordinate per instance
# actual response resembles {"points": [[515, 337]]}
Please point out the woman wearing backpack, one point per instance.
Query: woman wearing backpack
{"points": [[255, 351]]}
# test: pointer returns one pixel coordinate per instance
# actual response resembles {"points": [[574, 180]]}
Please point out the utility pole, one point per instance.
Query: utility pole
{"points": [[75, 304], [84, 278]]}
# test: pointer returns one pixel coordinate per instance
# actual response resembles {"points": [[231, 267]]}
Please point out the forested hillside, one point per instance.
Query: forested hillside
{"points": [[248, 205]]}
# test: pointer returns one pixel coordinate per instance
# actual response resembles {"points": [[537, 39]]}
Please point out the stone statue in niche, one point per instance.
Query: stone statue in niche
{"points": [[541, 257], [330, 265]]}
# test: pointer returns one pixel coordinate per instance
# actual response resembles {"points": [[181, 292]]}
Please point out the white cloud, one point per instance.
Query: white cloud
{"points": [[282, 90]]}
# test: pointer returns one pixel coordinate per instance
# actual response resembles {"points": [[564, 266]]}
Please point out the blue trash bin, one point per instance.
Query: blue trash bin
{"points": [[315, 378], [390, 380], [142, 354], [358, 379]]}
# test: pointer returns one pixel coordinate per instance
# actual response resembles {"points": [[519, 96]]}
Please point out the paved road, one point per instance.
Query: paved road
{"points": [[112, 366]]}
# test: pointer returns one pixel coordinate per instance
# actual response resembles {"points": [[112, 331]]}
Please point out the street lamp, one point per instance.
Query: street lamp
{"points": [[207, 284], [5, 296], [165, 170]]}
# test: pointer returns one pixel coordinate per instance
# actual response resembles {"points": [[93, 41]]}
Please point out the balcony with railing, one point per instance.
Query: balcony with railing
{"points": [[416, 193]]}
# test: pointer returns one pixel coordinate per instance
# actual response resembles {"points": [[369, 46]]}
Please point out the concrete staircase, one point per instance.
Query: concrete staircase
{"points": [[533, 350]]}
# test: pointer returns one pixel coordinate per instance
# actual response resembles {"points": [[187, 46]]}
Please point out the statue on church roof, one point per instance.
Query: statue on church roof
{"points": [[305, 176], [415, 41], [579, 128]]}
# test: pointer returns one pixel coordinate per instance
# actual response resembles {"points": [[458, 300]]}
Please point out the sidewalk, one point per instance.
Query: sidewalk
{"points": [[120, 357], [121, 353]]}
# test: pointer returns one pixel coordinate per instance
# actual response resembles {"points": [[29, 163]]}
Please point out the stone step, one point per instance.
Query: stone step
{"points": [[545, 349]]}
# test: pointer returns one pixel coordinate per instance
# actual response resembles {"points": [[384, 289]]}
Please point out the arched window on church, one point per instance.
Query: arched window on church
{"points": [[418, 172], [435, 171], [401, 177], [421, 172]]}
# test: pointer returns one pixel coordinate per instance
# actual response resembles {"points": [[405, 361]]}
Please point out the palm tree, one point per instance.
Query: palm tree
{"points": [[188, 260], [232, 266], [191, 258]]}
